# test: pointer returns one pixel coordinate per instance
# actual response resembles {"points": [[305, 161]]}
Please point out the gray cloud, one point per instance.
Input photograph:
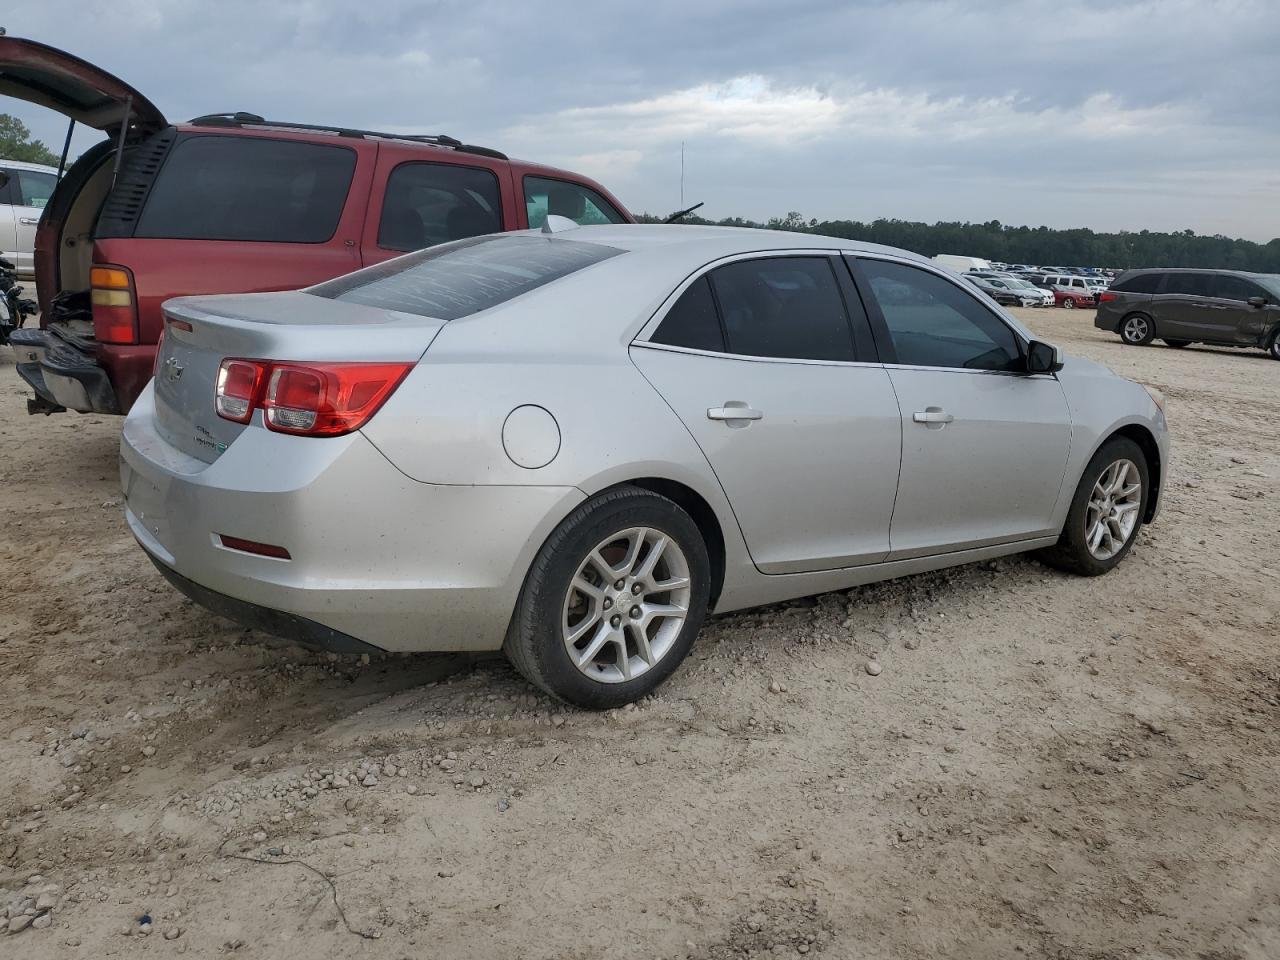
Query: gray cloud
{"points": [[1159, 114]]}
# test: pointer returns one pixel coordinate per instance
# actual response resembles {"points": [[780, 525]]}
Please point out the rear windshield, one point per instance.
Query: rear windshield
{"points": [[249, 188], [462, 278]]}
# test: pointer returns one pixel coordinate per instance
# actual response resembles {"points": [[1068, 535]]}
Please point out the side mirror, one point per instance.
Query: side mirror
{"points": [[1252, 301], [1043, 357]]}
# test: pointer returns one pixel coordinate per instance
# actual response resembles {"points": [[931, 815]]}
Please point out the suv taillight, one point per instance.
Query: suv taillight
{"points": [[308, 399], [1107, 297], [115, 304]]}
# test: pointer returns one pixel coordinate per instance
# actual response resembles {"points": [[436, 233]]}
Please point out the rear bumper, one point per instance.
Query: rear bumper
{"points": [[62, 375], [376, 557]]}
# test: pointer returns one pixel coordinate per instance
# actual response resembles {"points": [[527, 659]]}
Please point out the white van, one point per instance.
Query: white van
{"points": [[957, 264], [25, 188]]}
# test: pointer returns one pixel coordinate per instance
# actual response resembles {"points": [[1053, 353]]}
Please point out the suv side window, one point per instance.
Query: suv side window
{"points": [[581, 204], [788, 308], [249, 188], [693, 320], [430, 203], [1227, 287], [34, 188], [1190, 284], [1142, 283], [933, 323]]}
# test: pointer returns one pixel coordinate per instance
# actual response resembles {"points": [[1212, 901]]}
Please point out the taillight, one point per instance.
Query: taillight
{"points": [[309, 399], [1106, 297], [115, 306]]}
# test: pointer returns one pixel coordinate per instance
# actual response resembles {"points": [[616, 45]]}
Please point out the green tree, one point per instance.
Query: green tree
{"points": [[16, 143]]}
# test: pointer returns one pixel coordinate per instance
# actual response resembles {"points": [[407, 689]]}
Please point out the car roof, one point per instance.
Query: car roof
{"points": [[1222, 270], [23, 165]]}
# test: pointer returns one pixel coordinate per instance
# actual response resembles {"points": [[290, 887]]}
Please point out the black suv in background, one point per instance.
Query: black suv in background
{"points": [[1226, 308]]}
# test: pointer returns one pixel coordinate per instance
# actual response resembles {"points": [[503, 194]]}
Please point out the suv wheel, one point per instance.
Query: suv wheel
{"points": [[1106, 511], [1137, 329], [613, 600]]}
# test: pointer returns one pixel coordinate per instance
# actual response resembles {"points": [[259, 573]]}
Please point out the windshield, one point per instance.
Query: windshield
{"points": [[458, 279]]}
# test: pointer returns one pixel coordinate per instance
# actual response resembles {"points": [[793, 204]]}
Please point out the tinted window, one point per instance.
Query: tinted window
{"points": [[430, 203], [934, 323], [1228, 287], [1142, 283], [465, 277], [692, 321], [34, 188], [786, 307], [1191, 284], [579, 203], [247, 188]]}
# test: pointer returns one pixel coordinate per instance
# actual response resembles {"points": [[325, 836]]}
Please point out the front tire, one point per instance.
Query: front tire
{"points": [[613, 601], [1069, 303], [1137, 329], [1106, 511], [1273, 350]]}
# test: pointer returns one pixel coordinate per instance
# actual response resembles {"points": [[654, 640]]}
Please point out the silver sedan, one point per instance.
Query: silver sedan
{"points": [[575, 444]]}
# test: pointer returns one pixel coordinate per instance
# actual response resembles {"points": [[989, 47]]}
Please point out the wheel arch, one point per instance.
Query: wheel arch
{"points": [[703, 514]]}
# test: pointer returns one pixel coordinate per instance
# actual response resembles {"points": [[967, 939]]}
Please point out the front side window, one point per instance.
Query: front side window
{"points": [[784, 307], [1190, 284], [933, 323], [34, 188], [1227, 287], [430, 203], [581, 204], [249, 188], [462, 278]]}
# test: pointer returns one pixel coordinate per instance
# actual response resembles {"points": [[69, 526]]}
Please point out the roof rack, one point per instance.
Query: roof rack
{"points": [[242, 119]]}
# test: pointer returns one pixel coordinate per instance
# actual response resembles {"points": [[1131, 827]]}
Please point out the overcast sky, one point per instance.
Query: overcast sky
{"points": [[1162, 115]]}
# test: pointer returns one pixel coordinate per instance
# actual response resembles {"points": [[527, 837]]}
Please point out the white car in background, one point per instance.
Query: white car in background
{"points": [[25, 188]]}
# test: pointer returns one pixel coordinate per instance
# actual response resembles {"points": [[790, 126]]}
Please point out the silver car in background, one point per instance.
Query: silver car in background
{"points": [[575, 444]]}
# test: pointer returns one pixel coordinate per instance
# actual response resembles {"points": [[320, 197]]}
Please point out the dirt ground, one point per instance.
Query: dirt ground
{"points": [[1046, 767]]}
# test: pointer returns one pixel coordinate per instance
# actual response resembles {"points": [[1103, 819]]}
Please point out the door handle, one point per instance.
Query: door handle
{"points": [[932, 415], [734, 410], [28, 221]]}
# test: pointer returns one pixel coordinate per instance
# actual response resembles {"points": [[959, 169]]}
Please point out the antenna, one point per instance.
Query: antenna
{"points": [[682, 174]]}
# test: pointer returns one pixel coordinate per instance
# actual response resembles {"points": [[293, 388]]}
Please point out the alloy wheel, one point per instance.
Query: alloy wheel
{"points": [[626, 605], [1136, 329], [1112, 513], [1069, 303]]}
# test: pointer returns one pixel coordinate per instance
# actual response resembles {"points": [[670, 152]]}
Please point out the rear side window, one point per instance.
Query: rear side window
{"points": [[579, 203], [430, 203], [692, 322], [248, 188], [1227, 287], [1190, 284], [784, 307], [1142, 283], [463, 278]]}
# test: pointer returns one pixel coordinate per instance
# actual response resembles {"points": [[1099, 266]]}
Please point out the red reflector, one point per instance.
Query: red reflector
{"points": [[1106, 297], [252, 546]]}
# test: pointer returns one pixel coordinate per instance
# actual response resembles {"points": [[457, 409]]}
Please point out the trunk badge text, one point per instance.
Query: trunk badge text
{"points": [[173, 370]]}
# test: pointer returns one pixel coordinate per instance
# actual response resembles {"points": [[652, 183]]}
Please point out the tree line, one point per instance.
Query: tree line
{"points": [[1042, 246]]}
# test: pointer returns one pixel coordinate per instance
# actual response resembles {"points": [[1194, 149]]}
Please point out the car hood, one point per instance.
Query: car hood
{"points": [[75, 88]]}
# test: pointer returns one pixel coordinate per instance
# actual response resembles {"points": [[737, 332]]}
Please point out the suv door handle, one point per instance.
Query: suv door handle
{"points": [[932, 415], [28, 221], [734, 410]]}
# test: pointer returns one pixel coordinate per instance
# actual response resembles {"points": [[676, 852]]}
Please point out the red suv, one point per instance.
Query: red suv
{"points": [[232, 203]]}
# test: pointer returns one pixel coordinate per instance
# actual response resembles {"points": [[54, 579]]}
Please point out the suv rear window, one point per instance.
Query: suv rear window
{"points": [[463, 278], [249, 188], [1142, 283]]}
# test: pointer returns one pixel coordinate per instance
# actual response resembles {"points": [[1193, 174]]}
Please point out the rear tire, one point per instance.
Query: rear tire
{"points": [[1273, 351], [1137, 329], [1176, 344], [571, 604], [1105, 489]]}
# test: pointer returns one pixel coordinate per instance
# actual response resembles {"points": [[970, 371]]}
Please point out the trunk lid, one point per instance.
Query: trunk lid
{"points": [[268, 326], [75, 88]]}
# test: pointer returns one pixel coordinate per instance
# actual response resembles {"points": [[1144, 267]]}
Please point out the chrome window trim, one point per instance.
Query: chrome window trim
{"points": [[719, 355]]}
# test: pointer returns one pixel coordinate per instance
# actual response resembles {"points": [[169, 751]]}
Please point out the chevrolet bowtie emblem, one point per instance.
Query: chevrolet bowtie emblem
{"points": [[173, 370]]}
